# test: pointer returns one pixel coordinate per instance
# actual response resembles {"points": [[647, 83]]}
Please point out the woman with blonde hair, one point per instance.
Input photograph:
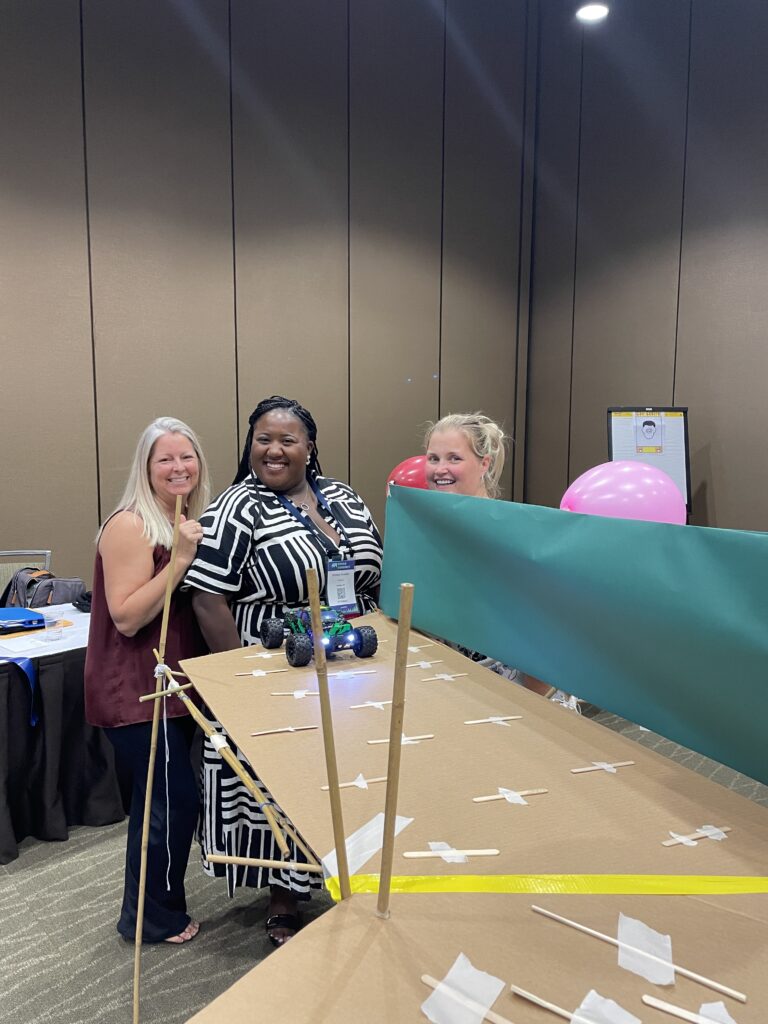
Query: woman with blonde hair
{"points": [[129, 584]]}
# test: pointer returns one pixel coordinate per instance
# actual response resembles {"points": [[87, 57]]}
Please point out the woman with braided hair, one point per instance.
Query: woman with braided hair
{"points": [[279, 518]]}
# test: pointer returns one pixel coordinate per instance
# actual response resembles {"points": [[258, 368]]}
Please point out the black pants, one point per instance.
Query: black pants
{"points": [[165, 909]]}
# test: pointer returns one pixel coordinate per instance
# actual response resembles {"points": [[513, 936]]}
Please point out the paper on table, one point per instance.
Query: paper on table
{"points": [[20, 644], [363, 844], [596, 1009], [634, 933], [479, 986], [716, 1012]]}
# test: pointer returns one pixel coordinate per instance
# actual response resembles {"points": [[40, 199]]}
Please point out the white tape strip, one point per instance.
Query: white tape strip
{"points": [[716, 1012], [499, 720], [363, 844], [218, 741], [642, 939], [360, 782], [605, 766], [712, 832], [450, 856], [480, 989], [596, 1009], [160, 669], [512, 797], [300, 694], [685, 840]]}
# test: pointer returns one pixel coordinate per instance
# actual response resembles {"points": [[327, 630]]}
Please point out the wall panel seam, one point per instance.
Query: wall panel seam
{"points": [[682, 197], [575, 258]]}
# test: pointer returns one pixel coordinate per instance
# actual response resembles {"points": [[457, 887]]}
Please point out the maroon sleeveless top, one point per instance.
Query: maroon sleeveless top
{"points": [[119, 669]]}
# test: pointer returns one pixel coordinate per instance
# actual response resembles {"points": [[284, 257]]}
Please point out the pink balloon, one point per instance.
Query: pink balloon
{"points": [[626, 490], [410, 473]]}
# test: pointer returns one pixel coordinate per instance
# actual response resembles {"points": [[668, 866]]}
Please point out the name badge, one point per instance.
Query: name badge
{"points": [[340, 588]]}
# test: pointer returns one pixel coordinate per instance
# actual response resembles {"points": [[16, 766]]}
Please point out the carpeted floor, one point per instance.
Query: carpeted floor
{"points": [[62, 962]]}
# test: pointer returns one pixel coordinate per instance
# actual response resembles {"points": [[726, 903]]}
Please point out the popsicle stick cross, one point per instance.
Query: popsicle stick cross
{"points": [[262, 672], [602, 766], [494, 720], [448, 677]]}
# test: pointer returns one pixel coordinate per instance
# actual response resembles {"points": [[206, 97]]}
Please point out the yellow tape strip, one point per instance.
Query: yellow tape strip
{"points": [[614, 885]]}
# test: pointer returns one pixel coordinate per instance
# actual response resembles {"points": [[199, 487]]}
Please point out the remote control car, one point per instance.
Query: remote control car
{"points": [[338, 635]]}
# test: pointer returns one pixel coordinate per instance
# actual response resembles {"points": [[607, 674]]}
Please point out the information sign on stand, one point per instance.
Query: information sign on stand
{"points": [[657, 436]]}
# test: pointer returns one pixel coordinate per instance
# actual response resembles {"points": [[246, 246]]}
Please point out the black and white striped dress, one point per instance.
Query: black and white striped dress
{"points": [[256, 553]]}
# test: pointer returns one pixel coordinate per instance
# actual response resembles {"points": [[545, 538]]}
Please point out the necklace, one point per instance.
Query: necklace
{"points": [[303, 505]]}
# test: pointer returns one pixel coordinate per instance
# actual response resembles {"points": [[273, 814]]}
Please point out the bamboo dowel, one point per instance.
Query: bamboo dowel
{"points": [[676, 1011], [682, 971], [326, 717], [493, 720], [450, 853], [255, 862], [165, 693], [287, 728], [151, 766], [395, 748], [544, 1003], [500, 796], [597, 768], [693, 835], [426, 736], [465, 1001], [346, 785]]}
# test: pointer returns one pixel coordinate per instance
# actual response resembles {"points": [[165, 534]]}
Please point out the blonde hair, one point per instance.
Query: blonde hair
{"points": [[138, 496], [485, 438]]}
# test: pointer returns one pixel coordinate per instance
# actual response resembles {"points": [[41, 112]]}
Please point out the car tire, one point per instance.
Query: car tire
{"points": [[366, 643], [271, 633], [298, 650]]}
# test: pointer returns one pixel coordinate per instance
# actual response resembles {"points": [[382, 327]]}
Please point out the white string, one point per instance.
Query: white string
{"points": [[167, 802]]}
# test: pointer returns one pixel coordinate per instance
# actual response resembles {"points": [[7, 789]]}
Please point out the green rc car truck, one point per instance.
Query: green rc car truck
{"points": [[338, 635]]}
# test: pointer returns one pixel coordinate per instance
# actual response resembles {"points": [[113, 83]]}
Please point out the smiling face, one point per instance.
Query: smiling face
{"points": [[280, 450], [173, 468], [453, 466]]}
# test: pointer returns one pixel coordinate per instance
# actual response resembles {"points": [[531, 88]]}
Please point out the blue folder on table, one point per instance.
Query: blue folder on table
{"points": [[14, 620]]}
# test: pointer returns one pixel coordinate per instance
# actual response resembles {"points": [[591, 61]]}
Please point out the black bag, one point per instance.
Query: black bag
{"points": [[36, 588]]}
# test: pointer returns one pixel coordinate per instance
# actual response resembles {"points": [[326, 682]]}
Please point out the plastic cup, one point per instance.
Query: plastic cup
{"points": [[52, 629]]}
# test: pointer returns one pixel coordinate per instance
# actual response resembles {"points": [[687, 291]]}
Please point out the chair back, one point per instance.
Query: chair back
{"points": [[12, 561]]}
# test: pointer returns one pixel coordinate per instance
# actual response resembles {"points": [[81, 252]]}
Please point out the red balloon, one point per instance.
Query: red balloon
{"points": [[410, 473]]}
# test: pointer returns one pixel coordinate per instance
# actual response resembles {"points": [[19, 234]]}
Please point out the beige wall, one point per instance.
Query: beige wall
{"points": [[353, 203]]}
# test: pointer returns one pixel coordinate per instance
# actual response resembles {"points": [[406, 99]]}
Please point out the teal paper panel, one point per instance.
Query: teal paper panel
{"points": [[666, 626]]}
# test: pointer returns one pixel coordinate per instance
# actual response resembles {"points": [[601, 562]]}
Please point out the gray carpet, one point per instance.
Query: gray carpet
{"points": [[62, 962]]}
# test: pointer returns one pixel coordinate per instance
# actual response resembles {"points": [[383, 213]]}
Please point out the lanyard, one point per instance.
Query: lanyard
{"points": [[305, 520]]}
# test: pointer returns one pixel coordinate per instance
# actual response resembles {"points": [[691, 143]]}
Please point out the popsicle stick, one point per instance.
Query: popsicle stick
{"points": [[255, 862], [543, 1003], [164, 693], [716, 986], [465, 1001], [676, 1011], [395, 748], [500, 796], [368, 704], [422, 854], [292, 693], [258, 672], [427, 736], [493, 719], [694, 835], [346, 785], [595, 768], [287, 728]]}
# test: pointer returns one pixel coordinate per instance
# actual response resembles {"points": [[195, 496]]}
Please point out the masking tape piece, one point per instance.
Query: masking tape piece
{"points": [[636, 938], [512, 797], [596, 1009], [362, 845], [360, 782], [712, 832], [595, 885], [716, 1012], [481, 988], [449, 853], [685, 840], [218, 741], [606, 766]]}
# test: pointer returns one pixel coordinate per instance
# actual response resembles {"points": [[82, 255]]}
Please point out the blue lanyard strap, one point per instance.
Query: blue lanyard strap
{"points": [[306, 521]]}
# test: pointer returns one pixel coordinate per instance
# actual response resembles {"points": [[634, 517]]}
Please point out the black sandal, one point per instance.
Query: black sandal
{"points": [[282, 921]]}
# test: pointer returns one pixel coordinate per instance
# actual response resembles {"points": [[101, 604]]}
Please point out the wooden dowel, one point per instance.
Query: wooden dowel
{"points": [[395, 748], [165, 693], [693, 835], [493, 720], [716, 986], [465, 1001], [676, 1011], [255, 862], [329, 746], [287, 728], [346, 785], [450, 853], [543, 1003], [596, 768], [426, 736], [500, 796], [151, 766]]}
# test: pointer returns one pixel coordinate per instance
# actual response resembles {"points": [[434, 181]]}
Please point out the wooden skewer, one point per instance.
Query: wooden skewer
{"points": [[287, 728], [544, 1004], [413, 854], [693, 835], [329, 745], [493, 719], [682, 971], [469, 1004], [676, 1011], [255, 862], [346, 785], [151, 765], [427, 736], [395, 748], [500, 796], [164, 693], [595, 768]]}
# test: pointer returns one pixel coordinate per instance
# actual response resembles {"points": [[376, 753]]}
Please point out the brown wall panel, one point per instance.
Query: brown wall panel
{"points": [[484, 114], [630, 203], [290, 201], [46, 413], [722, 360], [157, 122], [554, 241], [396, 86]]}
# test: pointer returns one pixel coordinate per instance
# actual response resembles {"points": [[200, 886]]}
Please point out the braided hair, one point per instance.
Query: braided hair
{"points": [[295, 409]]}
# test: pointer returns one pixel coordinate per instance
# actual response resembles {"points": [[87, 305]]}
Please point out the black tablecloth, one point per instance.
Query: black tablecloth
{"points": [[59, 772]]}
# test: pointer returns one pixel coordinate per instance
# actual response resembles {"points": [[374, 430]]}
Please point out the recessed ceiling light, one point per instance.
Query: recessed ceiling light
{"points": [[592, 12]]}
